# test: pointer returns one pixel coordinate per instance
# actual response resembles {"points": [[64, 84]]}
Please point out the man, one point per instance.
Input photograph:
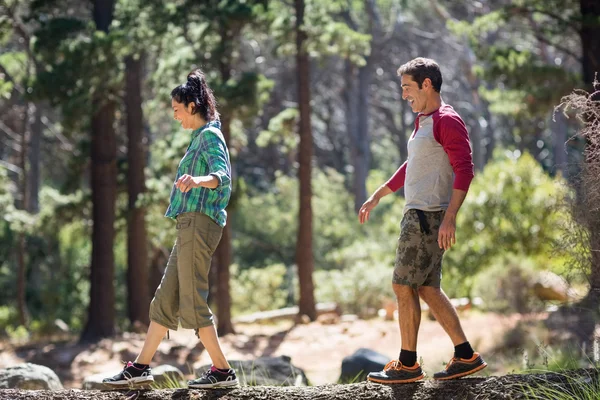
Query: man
{"points": [[436, 178]]}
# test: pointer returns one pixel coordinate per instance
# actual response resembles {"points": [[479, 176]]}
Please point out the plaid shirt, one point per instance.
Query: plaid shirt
{"points": [[207, 154]]}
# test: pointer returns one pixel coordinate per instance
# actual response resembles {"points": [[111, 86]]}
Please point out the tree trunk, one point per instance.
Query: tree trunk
{"points": [[590, 41], [351, 100], [490, 144], [35, 139], [304, 251], [138, 297], [362, 156], [222, 261], [101, 313], [560, 134], [222, 257], [21, 239]]}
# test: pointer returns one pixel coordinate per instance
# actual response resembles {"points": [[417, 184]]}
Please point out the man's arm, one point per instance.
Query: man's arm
{"points": [[447, 232], [369, 205], [453, 136]]}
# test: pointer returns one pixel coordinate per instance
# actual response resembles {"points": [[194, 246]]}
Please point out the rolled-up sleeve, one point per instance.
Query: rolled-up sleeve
{"points": [[215, 154]]}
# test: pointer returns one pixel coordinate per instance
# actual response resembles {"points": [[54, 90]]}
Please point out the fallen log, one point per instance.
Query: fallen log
{"points": [[284, 313], [509, 387]]}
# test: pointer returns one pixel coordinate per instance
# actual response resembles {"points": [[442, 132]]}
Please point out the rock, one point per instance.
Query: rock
{"points": [[168, 376], [328, 319], [357, 366], [94, 382], [30, 377], [549, 286], [266, 371]]}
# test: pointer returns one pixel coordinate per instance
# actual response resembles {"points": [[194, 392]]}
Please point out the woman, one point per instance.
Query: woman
{"points": [[200, 193]]}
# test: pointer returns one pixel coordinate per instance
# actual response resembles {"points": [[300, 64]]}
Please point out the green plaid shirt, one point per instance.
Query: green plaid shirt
{"points": [[207, 154]]}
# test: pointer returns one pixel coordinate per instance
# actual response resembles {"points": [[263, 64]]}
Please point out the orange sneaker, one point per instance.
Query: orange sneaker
{"points": [[395, 372], [459, 367]]}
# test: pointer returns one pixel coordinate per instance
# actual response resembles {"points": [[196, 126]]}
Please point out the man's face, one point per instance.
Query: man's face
{"points": [[417, 98], [183, 114]]}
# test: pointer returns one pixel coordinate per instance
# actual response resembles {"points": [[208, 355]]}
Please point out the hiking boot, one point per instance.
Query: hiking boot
{"points": [[395, 372], [130, 375], [459, 367], [214, 378]]}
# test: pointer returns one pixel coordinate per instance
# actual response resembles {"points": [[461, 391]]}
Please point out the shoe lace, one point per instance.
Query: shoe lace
{"points": [[207, 373], [393, 365], [452, 361]]}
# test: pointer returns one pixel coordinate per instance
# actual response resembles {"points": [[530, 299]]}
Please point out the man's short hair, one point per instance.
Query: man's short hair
{"points": [[422, 68]]}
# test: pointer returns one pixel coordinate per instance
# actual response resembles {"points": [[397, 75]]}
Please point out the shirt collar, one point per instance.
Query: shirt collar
{"points": [[211, 124], [433, 112]]}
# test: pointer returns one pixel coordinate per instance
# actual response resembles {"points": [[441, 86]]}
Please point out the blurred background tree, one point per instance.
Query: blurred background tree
{"points": [[89, 148]]}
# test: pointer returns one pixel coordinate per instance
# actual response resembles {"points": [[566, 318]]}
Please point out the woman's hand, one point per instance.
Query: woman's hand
{"points": [[186, 182]]}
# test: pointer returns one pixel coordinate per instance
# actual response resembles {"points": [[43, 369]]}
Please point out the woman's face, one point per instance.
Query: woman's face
{"points": [[183, 114]]}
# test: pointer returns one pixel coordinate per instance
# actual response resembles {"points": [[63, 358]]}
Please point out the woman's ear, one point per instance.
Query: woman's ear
{"points": [[190, 108]]}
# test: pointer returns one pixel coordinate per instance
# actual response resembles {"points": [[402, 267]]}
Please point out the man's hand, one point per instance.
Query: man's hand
{"points": [[186, 182], [365, 210], [447, 232]]}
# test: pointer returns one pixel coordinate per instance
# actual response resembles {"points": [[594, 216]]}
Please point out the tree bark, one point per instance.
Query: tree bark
{"points": [[351, 100], [362, 153], [304, 251], [101, 314], [138, 297], [222, 257], [590, 41], [33, 204], [560, 134], [21, 239], [222, 261]]}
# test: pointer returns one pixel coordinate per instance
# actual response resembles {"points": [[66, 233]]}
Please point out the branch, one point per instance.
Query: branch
{"points": [[16, 85], [22, 30], [10, 167], [12, 134], [441, 12], [556, 17], [556, 46]]}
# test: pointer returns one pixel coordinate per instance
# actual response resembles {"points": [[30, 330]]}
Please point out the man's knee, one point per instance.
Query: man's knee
{"points": [[404, 291], [429, 292]]}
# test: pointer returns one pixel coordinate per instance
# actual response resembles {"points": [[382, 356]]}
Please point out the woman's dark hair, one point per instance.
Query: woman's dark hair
{"points": [[422, 68], [196, 91]]}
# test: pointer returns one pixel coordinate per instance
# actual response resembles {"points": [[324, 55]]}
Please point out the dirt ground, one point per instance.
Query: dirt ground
{"points": [[317, 348]]}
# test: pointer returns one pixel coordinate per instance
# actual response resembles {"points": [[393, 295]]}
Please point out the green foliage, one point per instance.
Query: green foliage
{"points": [[513, 207], [327, 34], [578, 387], [358, 289], [505, 286], [259, 289], [521, 47]]}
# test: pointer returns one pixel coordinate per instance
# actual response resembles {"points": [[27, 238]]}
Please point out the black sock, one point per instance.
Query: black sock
{"points": [[463, 350], [224, 371], [408, 358], [140, 366]]}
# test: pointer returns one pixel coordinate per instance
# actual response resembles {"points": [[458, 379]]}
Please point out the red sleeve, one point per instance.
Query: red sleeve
{"points": [[397, 180], [450, 131]]}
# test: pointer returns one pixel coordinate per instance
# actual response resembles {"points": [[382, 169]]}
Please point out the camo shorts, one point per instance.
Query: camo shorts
{"points": [[418, 256]]}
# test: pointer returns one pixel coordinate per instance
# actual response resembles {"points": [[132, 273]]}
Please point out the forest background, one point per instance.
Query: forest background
{"points": [[311, 109]]}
